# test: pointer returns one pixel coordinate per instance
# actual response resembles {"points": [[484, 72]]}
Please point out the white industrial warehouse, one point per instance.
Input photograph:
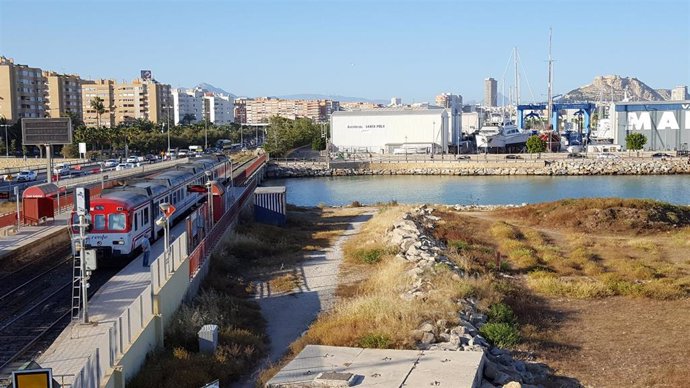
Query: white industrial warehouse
{"points": [[398, 130]]}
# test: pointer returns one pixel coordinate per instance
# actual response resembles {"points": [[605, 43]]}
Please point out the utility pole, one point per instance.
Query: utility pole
{"points": [[205, 125], [549, 106]]}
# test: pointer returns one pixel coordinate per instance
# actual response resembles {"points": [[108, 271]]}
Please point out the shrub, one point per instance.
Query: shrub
{"points": [[503, 335], [369, 256], [458, 244], [375, 341], [535, 144], [356, 204], [501, 313]]}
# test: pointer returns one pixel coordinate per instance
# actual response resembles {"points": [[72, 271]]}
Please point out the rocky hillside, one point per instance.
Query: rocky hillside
{"points": [[604, 87]]}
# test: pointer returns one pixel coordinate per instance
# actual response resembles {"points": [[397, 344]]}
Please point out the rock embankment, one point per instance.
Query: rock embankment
{"points": [[531, 167], [417, 246]]}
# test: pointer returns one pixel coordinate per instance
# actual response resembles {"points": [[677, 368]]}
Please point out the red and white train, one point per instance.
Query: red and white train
{"points": [[123, 216]]}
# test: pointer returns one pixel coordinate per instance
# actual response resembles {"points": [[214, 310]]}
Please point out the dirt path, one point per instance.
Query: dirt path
{"points": [[288, 315]]}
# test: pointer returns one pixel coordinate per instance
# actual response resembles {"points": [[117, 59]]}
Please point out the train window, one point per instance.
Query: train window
{"points": [[146, 216], [99, 221], [174, 197], [116, 221], [136, 221]]}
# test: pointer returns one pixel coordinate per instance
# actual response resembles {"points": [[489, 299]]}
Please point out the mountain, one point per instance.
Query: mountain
{"points": [[214, 89], [614, 87], [330, 97]]}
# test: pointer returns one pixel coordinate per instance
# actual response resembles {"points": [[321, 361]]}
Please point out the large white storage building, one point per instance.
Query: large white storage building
{"points": [[391, 130]]}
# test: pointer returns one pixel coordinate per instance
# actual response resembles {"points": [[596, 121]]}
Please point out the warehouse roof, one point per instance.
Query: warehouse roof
{"points": [[392, 111]]}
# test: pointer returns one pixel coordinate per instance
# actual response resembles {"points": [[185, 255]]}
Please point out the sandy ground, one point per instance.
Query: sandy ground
{"points": [[288, 315]]}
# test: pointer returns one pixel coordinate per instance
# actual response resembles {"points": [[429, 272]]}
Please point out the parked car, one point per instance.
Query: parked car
{"points": [[132, 159], [26, 176], [182, 154], [513, 157], [61, 169], [151, 158], [464, 157], [607, 155], [576, 156], [661, 155], [124, 166], [110, 163]]}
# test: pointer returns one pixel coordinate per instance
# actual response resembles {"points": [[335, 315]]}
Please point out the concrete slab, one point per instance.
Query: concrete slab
{"points": [[28, 236], [382, 367]]}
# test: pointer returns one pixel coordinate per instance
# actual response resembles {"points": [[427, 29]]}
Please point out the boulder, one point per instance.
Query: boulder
{"points": [[512, 384], [427, 327]]}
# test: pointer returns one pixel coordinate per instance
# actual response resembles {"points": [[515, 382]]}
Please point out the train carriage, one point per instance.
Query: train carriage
{"points": [[123, 216]]}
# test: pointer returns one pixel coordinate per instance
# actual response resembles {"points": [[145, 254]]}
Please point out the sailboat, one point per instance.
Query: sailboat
{"points": [[503, 134]]}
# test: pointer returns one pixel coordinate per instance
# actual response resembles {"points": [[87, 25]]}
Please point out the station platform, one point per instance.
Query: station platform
{"points": [[75, 346], [52, 234]]}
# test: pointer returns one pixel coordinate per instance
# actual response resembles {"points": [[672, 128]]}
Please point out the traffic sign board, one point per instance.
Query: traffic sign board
{"points": [[33, 378]]}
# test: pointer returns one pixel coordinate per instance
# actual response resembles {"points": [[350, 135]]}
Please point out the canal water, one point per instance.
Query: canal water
{"points": [[482, 190]]}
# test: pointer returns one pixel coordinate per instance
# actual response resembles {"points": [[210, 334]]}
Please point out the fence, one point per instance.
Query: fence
{"points": [[123, 332]]}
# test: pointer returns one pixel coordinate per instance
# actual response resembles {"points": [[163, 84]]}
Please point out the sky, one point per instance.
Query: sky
{"points": [[371, 49]]}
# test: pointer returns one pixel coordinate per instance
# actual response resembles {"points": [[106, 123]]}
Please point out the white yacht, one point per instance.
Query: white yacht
{"points": [[502, 137]]}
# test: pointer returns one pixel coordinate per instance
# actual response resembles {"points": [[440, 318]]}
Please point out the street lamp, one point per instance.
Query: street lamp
{"points": [[209, 189], [205, 125], [163, 221], [167, 108]]}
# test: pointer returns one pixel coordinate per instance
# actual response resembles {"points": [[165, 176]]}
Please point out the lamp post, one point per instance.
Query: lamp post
{"points": [[163, 221], [209, 190], [205, 124], [433, 138], [167, 108]]}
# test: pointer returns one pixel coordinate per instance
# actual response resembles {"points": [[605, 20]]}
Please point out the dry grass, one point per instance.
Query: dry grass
{"points": [[370, 311], [284, 283], [607, 300]]}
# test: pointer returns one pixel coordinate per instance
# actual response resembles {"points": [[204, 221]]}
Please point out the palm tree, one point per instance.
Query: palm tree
{"points": [[97, 105]]}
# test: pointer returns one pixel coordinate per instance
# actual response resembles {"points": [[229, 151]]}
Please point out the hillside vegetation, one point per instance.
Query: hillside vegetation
{"points": [[603, 215]]}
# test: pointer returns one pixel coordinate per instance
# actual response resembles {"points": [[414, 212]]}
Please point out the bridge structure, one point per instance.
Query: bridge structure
{"points": [[583, 108]]}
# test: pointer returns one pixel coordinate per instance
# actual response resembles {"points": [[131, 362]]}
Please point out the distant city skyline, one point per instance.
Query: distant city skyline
{"points": [[374, 50]]}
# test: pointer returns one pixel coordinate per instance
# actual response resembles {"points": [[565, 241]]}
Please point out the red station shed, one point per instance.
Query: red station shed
{"points": [[38, 203], [218, 193]]}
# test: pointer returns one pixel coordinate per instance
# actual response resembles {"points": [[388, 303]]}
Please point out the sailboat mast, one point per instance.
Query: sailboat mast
{"points": [[517, 78], [550, 86]]}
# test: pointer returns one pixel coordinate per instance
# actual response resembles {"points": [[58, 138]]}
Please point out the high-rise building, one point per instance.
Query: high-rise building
{"points": [[490, 92], [188, 105], [105, 90], [219, 109], [453, 106], [259, 110], [679, 93], [395, 101], [22, 91], [241, 110], [64, 95]]}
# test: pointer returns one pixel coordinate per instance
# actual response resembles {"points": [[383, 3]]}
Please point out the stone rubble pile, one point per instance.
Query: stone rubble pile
{"points": [[416, 245], [556, 167]]}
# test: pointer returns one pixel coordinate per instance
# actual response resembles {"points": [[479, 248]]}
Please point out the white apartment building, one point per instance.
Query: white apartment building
{"points": [[219, 109], [188, 102]]}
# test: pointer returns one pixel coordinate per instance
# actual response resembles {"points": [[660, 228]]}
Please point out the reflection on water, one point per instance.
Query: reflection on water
{"points": [[480, 190]]}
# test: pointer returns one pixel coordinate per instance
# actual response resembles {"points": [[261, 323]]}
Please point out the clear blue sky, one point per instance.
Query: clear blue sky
{"points": [[372, 49]]}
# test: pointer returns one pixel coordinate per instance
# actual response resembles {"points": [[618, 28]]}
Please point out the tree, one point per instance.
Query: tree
{"points": [[70, 151], [635, 141], [535, 145], [13, 145], [97, 105]]}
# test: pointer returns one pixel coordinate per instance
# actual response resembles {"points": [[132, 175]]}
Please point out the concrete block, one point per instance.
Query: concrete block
{"points": [[208, 339]]}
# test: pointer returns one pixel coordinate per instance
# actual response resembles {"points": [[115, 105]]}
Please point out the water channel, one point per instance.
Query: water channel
{"points": [[480, 189]]}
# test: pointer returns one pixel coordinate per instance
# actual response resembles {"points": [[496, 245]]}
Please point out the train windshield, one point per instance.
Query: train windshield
{"points": [[99, 221], [116, 221]]}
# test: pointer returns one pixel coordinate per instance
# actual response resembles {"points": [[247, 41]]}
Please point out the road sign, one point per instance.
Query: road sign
{"points": [[167, 209], [46, 131], [33, 378], [82, 148]]}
